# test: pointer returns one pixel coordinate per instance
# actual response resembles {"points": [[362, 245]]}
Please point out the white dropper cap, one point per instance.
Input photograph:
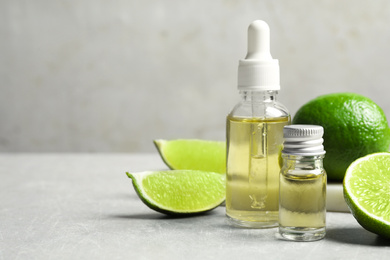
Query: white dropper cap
{"points": [[258, 71]]}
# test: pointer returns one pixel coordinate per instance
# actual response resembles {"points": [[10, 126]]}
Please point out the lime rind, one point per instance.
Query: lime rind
{"points": [[193, 154], [367, 195], [137, 180], [160, 143], [160, 199]]}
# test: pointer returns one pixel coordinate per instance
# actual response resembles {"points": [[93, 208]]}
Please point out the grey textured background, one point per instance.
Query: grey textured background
{"points": [[111, 76]]}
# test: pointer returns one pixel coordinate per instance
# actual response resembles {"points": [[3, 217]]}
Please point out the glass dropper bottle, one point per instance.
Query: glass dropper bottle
{"points": [[254, 133]]}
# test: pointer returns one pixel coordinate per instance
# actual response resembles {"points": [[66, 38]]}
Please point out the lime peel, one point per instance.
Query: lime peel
{"points": [[180, 192], [367, 192]]}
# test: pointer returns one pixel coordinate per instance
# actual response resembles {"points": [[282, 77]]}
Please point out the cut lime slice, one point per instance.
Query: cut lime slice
{"points": [[367, 192], [193, 154], [180, 192]]}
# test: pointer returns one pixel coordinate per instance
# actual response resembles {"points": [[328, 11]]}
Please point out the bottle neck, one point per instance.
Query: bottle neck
{"points": [[259, 95], [302, 162]]}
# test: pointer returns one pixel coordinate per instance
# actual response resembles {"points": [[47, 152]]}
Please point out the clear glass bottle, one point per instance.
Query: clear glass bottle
{"points": [[254, 133], [302, 199]]}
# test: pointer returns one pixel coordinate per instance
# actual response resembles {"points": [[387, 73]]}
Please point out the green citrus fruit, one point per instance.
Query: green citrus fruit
{"points": [[193, 154], [367, 192], [354, 126], [180, 192]]}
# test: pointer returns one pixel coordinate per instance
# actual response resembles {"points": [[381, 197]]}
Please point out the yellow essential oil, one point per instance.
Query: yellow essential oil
{"points": [[302, 203], [302, 207], [253, 165]]}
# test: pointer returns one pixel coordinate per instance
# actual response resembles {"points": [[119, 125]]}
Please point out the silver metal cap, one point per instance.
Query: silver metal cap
{"points": [[303, 140]]}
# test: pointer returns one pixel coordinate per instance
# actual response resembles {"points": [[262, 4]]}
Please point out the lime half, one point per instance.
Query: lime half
{"points": [[193, 154], [180, 192], [367, 192]]}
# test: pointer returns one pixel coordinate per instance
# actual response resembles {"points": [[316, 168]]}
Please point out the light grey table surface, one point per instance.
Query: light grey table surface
{"points": [[83, 206]]}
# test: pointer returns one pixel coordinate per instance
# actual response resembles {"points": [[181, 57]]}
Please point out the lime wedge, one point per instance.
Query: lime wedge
{"points": [[367, 192], [193, 154], [180, 192]]}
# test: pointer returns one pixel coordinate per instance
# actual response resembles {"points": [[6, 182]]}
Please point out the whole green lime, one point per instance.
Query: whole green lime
{"points": [[354, 126]]}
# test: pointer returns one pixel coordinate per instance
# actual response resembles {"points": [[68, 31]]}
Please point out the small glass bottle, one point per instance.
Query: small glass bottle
{"points": [[254, 133], [302, 186]]}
